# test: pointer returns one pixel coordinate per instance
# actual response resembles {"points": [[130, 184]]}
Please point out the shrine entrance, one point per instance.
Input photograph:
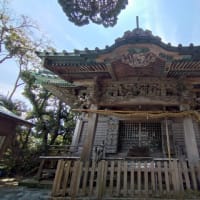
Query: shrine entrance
{"points": [[140, 138]]}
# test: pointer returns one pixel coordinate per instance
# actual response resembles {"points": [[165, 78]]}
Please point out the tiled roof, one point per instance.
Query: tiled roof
{"points": [[47, 77]]}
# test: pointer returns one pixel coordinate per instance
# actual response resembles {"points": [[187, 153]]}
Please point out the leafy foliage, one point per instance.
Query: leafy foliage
{"points": [[17, 36], [51, 116], [104, 12], [20, 38], [54, 124]]}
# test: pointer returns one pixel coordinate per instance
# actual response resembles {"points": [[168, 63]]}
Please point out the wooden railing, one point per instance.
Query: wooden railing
{"points": [[60, 150], [49, 161], [119, 178]]}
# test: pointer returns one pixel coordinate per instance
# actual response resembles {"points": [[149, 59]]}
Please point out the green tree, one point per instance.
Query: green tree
{"points": [[20, 38], [54, 124], [51, 116]]}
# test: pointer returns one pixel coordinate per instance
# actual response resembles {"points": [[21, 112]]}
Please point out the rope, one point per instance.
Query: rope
{"points": [[143, 114]]}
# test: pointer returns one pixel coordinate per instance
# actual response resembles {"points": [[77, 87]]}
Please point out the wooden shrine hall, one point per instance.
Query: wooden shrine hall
{"points": [[138, 126], [8, 123]]}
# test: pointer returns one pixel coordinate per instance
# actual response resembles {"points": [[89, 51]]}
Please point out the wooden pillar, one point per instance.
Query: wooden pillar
{"points": [[89, 139], [77, 133], [190, 141]]}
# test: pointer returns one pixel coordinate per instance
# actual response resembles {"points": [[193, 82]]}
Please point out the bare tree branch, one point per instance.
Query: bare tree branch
{"points": [[5, 58]]}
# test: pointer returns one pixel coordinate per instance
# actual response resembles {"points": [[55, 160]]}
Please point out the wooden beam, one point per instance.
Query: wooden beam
{"points": [[89, 139]]}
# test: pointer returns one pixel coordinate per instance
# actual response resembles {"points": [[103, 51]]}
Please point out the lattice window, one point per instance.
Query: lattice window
{"points": [[143, 134]]}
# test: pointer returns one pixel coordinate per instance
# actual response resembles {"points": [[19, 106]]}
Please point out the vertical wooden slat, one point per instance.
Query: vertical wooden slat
{"points": [[186, 175], [85, 178], [145, 177], [177, 175], [173, 176], [166, 171], [92, 172], [153, 176], [125, 178], [78, 179], [76, 173], [198, 173], [111, 177], [66, 176], [59, 180], [139, 176], [104, 175], [194, 183], [160, 177], [180, 172], [132, 178], [58, 177], [99, 174], [118, 177], [100, 179]]}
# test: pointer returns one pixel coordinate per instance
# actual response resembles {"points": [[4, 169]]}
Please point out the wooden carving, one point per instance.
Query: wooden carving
{"points": [[134, 89], [138, 59]]}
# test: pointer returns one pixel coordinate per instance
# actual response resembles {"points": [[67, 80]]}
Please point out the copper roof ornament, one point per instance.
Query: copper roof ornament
{"points": [[104, 12]]}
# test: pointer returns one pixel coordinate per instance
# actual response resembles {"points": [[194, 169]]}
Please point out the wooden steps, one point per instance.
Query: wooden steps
{"points": [[48, 164]]}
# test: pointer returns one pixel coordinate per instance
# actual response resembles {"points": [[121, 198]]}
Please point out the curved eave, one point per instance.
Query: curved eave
{"points": [[78, 71]]}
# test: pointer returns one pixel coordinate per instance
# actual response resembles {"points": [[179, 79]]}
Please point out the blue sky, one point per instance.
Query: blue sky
{"points": [[175, 21]]}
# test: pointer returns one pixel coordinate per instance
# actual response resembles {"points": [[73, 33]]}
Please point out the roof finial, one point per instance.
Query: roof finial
{"points": [[137, 22]]}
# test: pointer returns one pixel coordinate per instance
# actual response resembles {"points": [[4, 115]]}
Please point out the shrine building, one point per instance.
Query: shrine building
{"points": [[137, 99]]}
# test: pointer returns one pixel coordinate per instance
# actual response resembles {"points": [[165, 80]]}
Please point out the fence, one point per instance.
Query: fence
{"points": [[119, 178]]}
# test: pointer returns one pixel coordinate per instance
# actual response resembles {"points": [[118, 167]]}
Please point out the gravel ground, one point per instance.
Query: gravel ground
{"points": [[23, 193], [9, 190]]}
